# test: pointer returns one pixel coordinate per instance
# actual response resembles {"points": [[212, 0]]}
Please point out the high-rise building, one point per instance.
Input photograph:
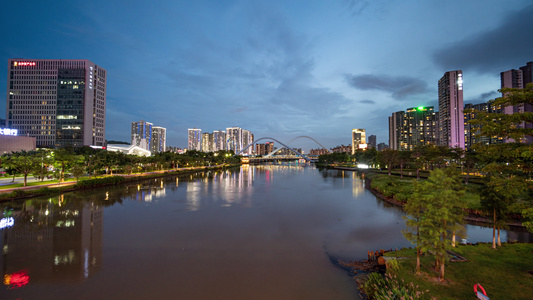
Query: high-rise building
{"points": [[247, 139], [472, 131], [60, 102], [219, 140], [141, 134], [416, 126], [372, 141], [382, 146], [238, 138], [207, 142], [451, 118], [519, 79], [234, 139], [358, 139], [264, 149], [396, 127], [159, 139], [527, 73], [195, 139]]}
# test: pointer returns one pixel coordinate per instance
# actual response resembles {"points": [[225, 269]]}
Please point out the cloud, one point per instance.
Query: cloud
{"points": [[493, 51], [367, 101], [400, 87], [484, 97]]}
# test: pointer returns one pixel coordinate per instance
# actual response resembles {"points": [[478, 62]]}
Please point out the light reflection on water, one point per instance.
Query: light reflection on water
{"points": [[258, 232]]}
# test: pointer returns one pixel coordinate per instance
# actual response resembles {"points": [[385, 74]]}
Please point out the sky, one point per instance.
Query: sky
{"points": [[279, 68]]}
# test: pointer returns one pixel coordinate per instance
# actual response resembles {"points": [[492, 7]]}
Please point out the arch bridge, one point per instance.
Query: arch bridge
{"points": [[298, 154]]}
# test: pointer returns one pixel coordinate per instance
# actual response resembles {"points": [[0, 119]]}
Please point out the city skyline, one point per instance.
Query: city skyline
{"points": [[278, 69]]}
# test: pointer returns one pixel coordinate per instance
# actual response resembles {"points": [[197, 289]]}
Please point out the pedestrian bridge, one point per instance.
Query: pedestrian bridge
{"points": [[271, 157]]}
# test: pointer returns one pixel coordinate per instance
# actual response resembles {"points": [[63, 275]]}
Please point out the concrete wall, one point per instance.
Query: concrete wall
{"points": [[10, 144]]}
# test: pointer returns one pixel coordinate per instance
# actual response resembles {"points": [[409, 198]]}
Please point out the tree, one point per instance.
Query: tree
{"points": [[23, 162], [404, 157], [415, 220], [389, 158], [507, 166], [64, 159], [436, 209]]}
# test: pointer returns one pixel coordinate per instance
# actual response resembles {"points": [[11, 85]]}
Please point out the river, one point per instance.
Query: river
{"points": [[258, 232]]}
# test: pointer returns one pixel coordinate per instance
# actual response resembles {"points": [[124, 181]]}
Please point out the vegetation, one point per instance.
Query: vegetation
{"points": [[78, 162], [389, 287], [434, 212], [507, 166], [504, 272]]}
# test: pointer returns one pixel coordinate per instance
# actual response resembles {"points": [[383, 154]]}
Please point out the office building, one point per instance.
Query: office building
{"points": [[382, 146], [141, 134], [59, 102], [195, 139], [372, 141], [451, 118], [10, 141], [159, 139], [358, 139]]}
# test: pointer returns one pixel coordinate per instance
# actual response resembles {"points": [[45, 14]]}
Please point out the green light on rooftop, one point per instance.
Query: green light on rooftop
{"points": [[420, 108]]}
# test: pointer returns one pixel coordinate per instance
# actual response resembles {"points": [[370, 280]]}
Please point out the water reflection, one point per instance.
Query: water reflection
{"points": [[260, 232], [52, 241]]}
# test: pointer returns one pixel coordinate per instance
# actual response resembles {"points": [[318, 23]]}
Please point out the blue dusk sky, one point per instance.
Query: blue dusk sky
{"points": [[280, 69]]}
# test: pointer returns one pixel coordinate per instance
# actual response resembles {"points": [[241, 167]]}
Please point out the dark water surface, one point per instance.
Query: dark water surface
{"points": [[264, 232]]}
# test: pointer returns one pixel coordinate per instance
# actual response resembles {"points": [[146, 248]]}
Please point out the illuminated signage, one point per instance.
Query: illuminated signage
{"points": [[24, 63], [17, 279], [460, 81], [91, 77], [7, 222], [7, 131]]}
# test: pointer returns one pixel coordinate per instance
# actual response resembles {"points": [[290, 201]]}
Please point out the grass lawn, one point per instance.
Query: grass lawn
{"points": [[33, 183], [503, 272]]}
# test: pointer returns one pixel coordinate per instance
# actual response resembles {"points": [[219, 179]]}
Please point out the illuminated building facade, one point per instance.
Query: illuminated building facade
{"points": [[451, 117], [219, 140], [358, 139], [416, 126], [195, 139], [234, 139], [207, 142], [141, 134], [264, 149], [59, 102], [159, 139]]}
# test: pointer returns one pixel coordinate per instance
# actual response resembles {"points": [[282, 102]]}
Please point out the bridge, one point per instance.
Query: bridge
{"points": [[270, 156]]}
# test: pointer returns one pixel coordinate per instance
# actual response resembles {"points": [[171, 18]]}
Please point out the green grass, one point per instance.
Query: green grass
{"points": [[503, 272], [36, 183], [401, 189]]}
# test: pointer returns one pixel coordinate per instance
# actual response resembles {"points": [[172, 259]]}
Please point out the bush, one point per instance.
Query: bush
{"points": [[112, 180], [388, 288]]}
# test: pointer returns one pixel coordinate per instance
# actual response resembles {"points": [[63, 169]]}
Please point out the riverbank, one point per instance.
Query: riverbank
{"points": [[475, 216], [55, 187]]}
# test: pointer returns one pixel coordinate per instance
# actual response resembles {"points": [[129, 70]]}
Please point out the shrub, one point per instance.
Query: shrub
{"points": [[389, 288], [111, 180]]}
